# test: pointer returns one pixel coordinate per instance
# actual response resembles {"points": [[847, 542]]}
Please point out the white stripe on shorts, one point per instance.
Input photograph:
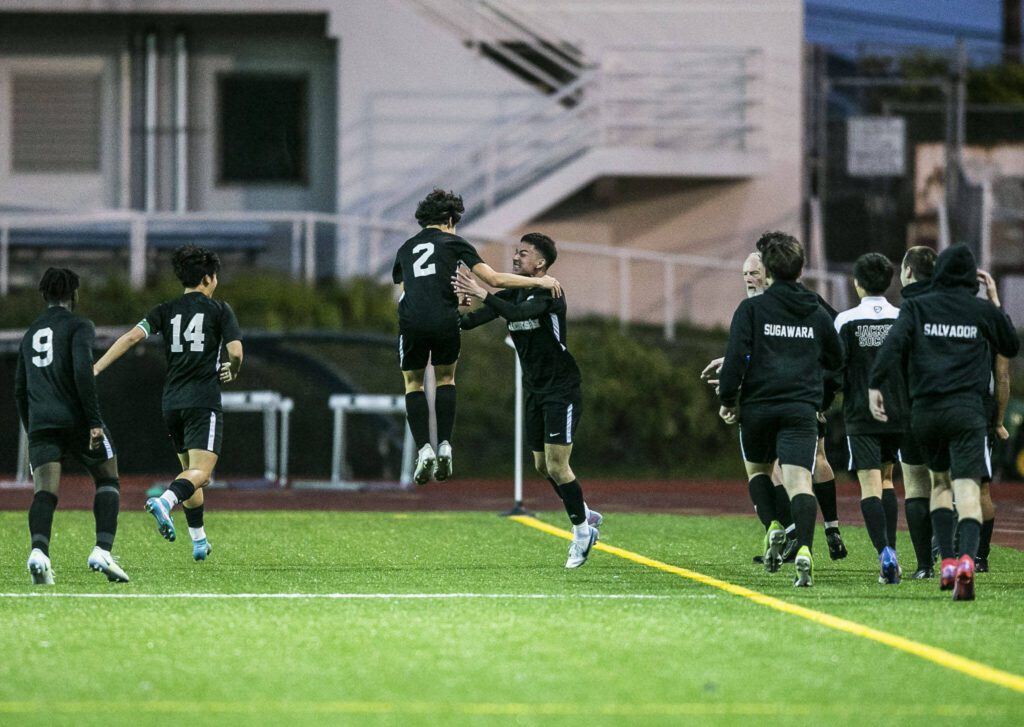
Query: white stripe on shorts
{"points": [[107, 447], [568, 425], [849, 446], [988, 459], [401, 355], [213, 430], [743, 452]]}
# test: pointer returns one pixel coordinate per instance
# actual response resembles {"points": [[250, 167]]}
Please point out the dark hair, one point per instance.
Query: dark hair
{"points": [[873, 272], [544, 245], [191, 263], [58, 285], [921, 261], [438, 207], [782, 255]]}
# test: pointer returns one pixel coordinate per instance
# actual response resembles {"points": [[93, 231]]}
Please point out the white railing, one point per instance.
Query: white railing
{"points": [[636, 285]]}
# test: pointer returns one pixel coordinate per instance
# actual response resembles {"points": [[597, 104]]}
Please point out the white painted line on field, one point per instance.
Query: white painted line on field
{"points": [[375, 596]]}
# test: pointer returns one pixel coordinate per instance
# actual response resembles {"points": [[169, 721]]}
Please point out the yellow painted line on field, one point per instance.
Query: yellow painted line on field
{"points": [[943, 658]]}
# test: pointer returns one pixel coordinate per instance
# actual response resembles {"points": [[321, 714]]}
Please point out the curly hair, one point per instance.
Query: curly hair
{"points": [[544, 245], [438, 207], [192, 263], [58, 285]]}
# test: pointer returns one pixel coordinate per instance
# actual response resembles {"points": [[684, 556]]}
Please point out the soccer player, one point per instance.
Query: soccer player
{"points": [[428, 322], [551, 379], [55, 392], [194, 328], [947, 334], [873, 445], [781, 344]]}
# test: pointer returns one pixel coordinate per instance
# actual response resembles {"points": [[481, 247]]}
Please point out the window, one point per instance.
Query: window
{"points": [[55, 123], [262, 128]]}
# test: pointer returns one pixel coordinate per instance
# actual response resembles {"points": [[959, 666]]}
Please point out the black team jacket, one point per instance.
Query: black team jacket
{"points": [[945, 333], [782, 344]]}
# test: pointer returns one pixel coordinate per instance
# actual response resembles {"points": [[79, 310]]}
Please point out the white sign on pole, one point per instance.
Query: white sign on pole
{"points": [[875, 146]]}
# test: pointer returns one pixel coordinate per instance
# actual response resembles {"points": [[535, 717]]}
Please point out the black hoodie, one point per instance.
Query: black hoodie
{"points": [[946, 332], [781, 345]]}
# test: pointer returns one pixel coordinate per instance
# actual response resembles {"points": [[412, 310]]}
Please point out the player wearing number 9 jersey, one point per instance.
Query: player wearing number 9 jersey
{"points": [[194, 328], [428, 321]]}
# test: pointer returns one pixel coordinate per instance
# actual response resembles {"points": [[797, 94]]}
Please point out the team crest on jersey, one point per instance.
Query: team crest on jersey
{"points": [[877, 309]]}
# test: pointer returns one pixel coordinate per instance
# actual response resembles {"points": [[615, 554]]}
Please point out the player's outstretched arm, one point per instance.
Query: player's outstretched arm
{"points": [[465, 284], [509, 280], [120, 347], [230, 368]]}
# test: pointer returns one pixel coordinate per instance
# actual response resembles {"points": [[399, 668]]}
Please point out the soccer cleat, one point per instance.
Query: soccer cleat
{"points": [[443, 469], [594, 518], [804, 568], [890, 573], [836, 546], [981, 564], [425, 462], [158, 509], [774, 540], [925, 571], [963, 582], [790, 548], [579, 552], [103, 562], [947, 574], [39, 567], [200, 549]]}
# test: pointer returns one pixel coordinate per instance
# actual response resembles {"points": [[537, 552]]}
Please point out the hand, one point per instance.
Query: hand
{"points": [[728, 414], [1002, 433], [466, 284], [225, 374], [989, 284], [821, 418], [95, 437], [712, 369], [877, 405], [551, 284], [95, 371]]}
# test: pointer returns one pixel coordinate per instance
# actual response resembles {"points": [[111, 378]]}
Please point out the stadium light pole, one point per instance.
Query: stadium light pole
{"points": [[517, 497]]}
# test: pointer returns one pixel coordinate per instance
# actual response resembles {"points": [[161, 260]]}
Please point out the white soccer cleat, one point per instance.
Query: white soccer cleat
{"points": [[425, 462], [103, 562], [579, 551], [39, 567], [443, 470]]}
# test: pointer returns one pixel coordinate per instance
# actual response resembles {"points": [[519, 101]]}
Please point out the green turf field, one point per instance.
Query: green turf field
{"points": [[410, 619]]}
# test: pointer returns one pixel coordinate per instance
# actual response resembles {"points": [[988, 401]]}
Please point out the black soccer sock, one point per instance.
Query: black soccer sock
{"points": [[762, 494], [417, 411], [40, 520], [920, 526], [892, 509], [985, 545], [572, 496], [805, 511], [825, 493], [554, 486], [105, 506], [874, 520], [944, 523], [970, 533], [182, 489], [782, 508], [194, 516], [444, 407]]}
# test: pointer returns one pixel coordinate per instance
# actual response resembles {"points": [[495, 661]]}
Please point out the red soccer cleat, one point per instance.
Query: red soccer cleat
{"points": [[963, 586], [948, 574]]}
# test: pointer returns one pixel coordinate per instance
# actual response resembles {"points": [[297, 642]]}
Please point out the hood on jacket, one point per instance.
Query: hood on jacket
{"points": [[955, 267], [916, 288], [794, 297]]}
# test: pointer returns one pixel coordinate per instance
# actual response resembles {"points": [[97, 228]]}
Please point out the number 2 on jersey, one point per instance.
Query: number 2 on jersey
{"points": [[420, 267], [193, 334], [42, 343]]}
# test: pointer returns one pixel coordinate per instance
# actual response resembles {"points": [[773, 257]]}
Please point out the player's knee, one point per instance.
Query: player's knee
{"points": [[968, 500], [560, 471], [108, 485], [541, 466]]}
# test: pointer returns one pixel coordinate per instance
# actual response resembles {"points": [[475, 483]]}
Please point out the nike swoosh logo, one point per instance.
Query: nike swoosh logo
{"points": [[553, 434]]}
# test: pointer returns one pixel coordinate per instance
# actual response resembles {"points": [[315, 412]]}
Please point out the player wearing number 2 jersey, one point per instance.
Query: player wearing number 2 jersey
{"points": [[428, 321], [194, 328]]}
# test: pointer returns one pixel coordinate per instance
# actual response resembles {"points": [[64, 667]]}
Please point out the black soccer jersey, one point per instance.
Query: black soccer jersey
{"points": [[425, 265], [194, 328], [536, 322], [862, 331], [54, 385]]}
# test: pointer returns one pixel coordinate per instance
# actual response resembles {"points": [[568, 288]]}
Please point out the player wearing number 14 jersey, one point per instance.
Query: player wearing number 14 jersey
{"points": [[428, 321], [194, 327]]}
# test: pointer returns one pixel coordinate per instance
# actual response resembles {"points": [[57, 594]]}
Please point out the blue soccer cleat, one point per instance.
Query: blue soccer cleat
{"points": [[200, 549], [158, 509], [891, 573]]}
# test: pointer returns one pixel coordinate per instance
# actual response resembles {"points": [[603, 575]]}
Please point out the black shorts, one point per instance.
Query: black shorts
{"points": [[787, 432], [821, 428], [51, 445], [195, 429], [416, 348], [954, 439], [991, 437], [871, 451], [910, 451], [551, 419]]}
